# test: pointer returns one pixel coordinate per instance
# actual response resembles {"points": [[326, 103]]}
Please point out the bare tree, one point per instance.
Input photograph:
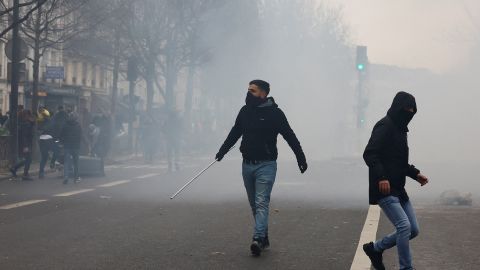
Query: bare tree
{"points": [[51, 26], [5, 10]]}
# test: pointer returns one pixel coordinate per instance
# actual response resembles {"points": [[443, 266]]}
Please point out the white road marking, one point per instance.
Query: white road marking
{"points": [[115, 183], [157, 167], [146, 176], [66, 194], [20, 204], [136, 167], [369, 232]]}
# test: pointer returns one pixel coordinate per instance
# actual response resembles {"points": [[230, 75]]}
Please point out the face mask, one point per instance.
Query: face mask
{"points": [[406, 116], [253, 101]]}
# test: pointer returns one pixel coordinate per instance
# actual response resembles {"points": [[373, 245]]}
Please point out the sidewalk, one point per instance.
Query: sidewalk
{"points": [[34, 168]]}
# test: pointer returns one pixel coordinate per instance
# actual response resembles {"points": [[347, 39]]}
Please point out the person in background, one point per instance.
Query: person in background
{"points": [[46, 142], [25, 141], [93, 133], [173, 136], [3, 118], [71, 136]]}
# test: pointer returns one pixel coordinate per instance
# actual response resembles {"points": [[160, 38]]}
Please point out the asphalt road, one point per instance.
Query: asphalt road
{"points": [[127, 221]]}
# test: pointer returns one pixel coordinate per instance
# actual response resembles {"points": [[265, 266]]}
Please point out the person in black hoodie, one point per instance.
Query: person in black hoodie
{"points": [[25, 140], [258, 123], [387, 158], [70, 137]]}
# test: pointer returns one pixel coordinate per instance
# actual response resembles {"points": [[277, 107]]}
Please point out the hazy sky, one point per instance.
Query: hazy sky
{"points": [[434, 34]]}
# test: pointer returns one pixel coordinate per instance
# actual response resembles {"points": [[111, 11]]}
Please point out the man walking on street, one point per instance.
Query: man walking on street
{"points": [[258, 123], [70, 137], [387, 158], [25, 139]]}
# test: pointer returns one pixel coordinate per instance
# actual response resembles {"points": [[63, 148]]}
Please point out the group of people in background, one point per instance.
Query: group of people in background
{"points": [[59, 138]]}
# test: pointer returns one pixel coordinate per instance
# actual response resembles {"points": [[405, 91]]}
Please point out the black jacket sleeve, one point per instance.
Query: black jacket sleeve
{"points": [[233, 136], [412, 172], [286, 131], [371, 155]]}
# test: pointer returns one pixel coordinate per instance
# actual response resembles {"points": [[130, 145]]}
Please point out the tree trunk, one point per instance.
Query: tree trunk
{"points": [[189, 95], [170, 78], [36, 63], [116, 68], [150, 77], [36, 74]]}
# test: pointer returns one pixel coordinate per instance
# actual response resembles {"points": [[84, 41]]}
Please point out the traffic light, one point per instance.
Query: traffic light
{"points": [[362, 58]]}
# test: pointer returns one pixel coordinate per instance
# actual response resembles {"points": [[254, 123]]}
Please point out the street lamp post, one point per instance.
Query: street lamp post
{"points": [[14, 85]]}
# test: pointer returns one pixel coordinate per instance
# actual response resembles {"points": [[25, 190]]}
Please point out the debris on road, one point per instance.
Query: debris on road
{"points": [[453, 197]]}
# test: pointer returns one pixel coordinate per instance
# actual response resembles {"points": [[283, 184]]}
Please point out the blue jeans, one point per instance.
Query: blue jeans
{"points": [[70, 160], [258, 180], [402, 216], [46, 146]]}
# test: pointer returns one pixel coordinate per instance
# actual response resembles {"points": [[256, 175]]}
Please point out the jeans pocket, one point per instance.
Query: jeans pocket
{"points": [[388, 200]]}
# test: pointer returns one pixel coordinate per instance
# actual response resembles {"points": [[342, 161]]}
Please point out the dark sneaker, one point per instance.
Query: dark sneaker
{"points": [[375, 257], [13, 172], [65, 181], [257, 246], [266, 243]]}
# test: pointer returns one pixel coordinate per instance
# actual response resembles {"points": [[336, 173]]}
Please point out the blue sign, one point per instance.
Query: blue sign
{"points": [[55, 73]]}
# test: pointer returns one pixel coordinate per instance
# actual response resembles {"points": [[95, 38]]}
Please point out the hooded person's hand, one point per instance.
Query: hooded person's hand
{"points": [[302, 165], [219, 156], [422, 179], [384, 187]]}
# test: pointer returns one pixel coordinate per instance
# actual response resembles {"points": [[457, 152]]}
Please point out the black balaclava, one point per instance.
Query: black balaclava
{"points": [[253, 101], [397, 112]]}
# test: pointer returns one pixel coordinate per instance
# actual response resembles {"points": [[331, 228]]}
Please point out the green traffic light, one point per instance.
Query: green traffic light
{"points": [[360, 66]]}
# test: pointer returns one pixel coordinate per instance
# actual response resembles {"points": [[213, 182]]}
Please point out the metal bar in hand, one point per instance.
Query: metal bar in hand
{"points": [[193, 179]]}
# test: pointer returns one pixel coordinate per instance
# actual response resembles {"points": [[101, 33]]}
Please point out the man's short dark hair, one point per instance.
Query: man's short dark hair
{"points": [[263, 85]]}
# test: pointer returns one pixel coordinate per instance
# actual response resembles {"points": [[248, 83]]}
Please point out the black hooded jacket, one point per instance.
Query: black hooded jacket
{"points": [[71, 135], [387, 151], [259, 127]]}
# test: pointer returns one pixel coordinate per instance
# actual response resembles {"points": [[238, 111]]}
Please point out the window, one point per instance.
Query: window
{"points": [[54, 59], [74, 73], [84, 73], [65, 65], [1, 100], [94, 76], [102, 77], [1, 59]]}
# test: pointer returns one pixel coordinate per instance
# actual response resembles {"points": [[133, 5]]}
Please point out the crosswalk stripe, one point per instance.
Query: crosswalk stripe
{"points": [[66, 194], [115, 183], [20, 204], [146, 176], [369, 232]]}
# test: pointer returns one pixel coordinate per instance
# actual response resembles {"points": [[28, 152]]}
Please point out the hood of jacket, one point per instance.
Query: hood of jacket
{"points": [[398, 113]]}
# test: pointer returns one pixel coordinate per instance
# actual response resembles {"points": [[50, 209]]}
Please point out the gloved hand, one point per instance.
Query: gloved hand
{"points": [[219, 156], [302, 165]]}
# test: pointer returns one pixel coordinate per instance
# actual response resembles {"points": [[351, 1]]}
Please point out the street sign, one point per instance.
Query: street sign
{"points": [[55, 72], [22, 69], [23, 49]]}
